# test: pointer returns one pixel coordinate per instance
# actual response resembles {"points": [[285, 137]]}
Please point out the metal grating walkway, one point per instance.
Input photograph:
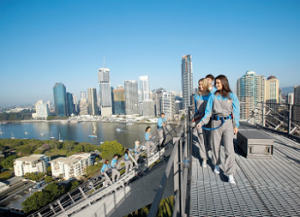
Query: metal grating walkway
{"points": [[263, 187]]}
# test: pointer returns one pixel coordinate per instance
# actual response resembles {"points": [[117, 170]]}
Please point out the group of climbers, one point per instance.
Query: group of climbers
{"points": [[114, 166]]}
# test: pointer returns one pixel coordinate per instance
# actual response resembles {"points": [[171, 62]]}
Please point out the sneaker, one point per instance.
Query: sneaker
{"points": [[151, 153], [204, 164], [231, 179], [217, 169]]}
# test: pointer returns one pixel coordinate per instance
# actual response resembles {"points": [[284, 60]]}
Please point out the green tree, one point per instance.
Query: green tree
{"points": [[32, 203], [110, 148], [74, 185], [48, 179], [93, 169], [49, 171], [78, 148], [8, 162], [5, 175], [69, 145]]}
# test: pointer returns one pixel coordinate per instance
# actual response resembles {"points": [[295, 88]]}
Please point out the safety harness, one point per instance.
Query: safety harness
{"points": [[217, 118]]}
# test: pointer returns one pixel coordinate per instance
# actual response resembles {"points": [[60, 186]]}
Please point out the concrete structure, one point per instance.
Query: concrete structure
{"points": [[250, 90], [296, 106], [187, 80], [60, 99], [177, 106], [73, 166], [168, 105], [157, 98], [144, 88], [148, 108], [272, 90], [119, 100], [92, 101], [105, 92], [32, 164], [83, 95], [41, 110], [131, 97]]}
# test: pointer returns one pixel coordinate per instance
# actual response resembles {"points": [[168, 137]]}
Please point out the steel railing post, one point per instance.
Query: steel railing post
{"points": [[290, 118]]}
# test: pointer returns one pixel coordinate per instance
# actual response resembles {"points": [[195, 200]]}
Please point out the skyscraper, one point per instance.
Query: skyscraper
{"points": [[168, 105], [75, 101], [272, 90], [157, 98], [148, 108], [41, 110], [187, 80], [82, 95], [119, 100], [83, 107], [131, 97], [250, 90], [144, 88], [70, 104], [60, 99], [105, 91], [92, 101]]}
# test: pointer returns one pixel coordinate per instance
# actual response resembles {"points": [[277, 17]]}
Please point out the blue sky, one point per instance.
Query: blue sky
{"points": [[44, 42]]}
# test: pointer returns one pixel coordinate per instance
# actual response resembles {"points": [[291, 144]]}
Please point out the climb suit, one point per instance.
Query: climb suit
{"points": [[137, 152], [128, 163], [161, 131], [224, 113], [105, 168], [149, 144], [114, 169], [200, 104]]}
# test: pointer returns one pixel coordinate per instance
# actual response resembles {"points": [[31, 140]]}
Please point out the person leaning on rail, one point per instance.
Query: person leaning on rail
{"points": [[223, 108], [161, 132], [128, 163], [105, 168], [149, 143], [114, 168], [200, 103]]}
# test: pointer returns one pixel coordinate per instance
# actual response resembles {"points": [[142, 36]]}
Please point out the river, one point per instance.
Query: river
{"points": [[80, 132]]}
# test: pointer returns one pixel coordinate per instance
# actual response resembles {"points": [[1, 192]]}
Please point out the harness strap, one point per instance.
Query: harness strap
{"points": [[215, 117]]}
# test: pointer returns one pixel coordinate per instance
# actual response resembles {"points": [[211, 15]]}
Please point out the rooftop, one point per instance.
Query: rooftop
{"points": [[31, 158]]}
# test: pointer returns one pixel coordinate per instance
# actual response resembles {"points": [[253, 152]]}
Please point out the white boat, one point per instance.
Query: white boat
{"points": [[52, 137], [12, 136], [60, 140], [129, 123], [26, 132], [1, 132], [93, 136], [42, 134]]}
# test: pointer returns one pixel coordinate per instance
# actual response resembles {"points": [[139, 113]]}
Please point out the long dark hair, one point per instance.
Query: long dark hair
{"points": [[127, 151], [226, 88]]}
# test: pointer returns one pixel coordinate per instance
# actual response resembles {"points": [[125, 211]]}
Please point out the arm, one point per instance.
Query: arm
{"points": [[159, 122], [208, 110], [236, 110]]}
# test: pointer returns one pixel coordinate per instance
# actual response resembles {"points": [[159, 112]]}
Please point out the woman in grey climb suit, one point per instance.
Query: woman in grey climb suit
{"points": [[223, 108], [200, 104]]}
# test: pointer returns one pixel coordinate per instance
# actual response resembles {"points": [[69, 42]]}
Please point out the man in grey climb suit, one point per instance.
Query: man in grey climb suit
{"points": [[114, 168], [228, 108], [161, 124]]}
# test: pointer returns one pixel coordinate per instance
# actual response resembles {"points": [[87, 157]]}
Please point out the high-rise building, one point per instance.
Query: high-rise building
{"points": [[148, 108], [83, 107], [250, 91], [144, 88], [105, 91], [70, 104], [112, 100], [168, 105], [177, 106], [60, 99], [157, 98], [187, 80], [36, 163], [131, 97], [296, 106], [92, 101], [272, 90], [41, 110], [75, 101], [82, 95], [119, 100], [290, 98]]}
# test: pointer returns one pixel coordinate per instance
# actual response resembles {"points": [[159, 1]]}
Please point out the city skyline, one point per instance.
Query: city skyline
{"points": [[39, 49]]}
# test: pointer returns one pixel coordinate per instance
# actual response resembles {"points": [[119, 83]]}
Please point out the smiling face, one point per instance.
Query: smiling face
{"points": [[209, 81], [162, 116], [219, 85], [148, 130], [201, 85]]}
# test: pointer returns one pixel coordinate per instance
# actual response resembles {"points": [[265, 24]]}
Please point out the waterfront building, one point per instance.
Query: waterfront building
{"points": [[105, 92], [251, 92], [70, 104], [119, 100], [131, 97], [272, 90], [83, 107], [187, 80], [168, 105], [71, 167], [148, 108], [83, 95], [60, 100], [290, 98], [177, 106], [92, 101], [144, 88], [36, 163], [41, 110], [157, 98], [296, 106]]}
